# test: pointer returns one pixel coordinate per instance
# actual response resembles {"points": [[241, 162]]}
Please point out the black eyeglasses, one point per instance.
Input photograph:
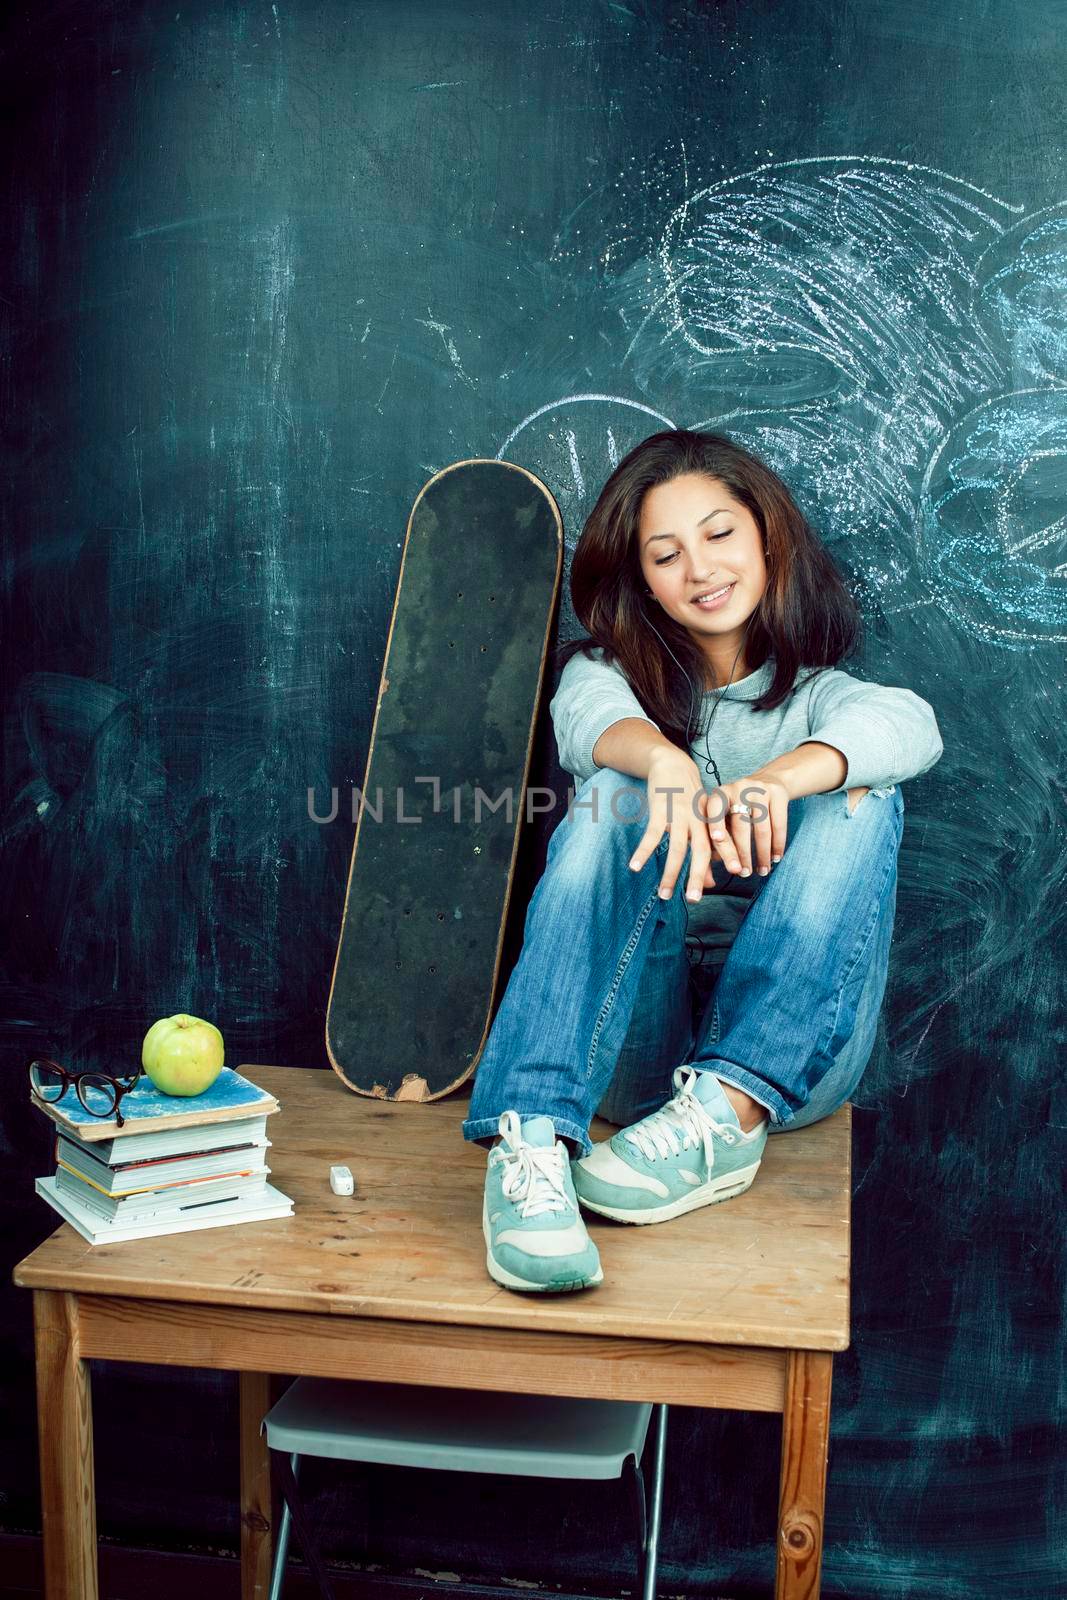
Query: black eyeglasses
{"points": [[49, 1082]]}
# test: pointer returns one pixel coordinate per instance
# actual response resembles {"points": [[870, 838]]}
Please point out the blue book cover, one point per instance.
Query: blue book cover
{"points": [[146, 1109]]}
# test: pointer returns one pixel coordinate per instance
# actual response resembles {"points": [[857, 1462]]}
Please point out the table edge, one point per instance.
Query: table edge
{"points": [[828, 1340]]}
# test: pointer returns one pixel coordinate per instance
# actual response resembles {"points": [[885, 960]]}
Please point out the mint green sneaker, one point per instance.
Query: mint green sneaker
{"points": [[534, 1233], [690, 1153]]}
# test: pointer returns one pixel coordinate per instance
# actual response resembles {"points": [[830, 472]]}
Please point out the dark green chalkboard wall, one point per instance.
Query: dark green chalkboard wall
{"points": [[265, 268]]}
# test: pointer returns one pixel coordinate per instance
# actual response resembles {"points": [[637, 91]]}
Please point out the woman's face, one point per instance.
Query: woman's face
{"points": [[696, 539]]}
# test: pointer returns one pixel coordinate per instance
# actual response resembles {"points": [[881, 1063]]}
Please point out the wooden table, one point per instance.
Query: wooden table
{"points": [[739, 1305]]}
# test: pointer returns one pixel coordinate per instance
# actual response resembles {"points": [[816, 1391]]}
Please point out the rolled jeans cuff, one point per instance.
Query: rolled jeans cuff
{"points": [[489, 1127], [741, 1078]]}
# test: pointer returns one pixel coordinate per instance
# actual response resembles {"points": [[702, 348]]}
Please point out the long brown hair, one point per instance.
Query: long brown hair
{"points": [[805, 617]]}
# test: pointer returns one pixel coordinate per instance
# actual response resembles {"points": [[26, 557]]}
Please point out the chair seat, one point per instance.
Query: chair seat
{"points": [[455, 1430]]}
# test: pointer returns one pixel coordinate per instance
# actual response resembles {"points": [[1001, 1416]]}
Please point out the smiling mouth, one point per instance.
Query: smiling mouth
{"points": [[713, 597]]}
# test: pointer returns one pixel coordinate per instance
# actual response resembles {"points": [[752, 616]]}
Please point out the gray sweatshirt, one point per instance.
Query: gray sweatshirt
{"points": [[886, 736]]}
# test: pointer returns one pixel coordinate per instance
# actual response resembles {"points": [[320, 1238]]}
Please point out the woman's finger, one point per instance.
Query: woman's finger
{"points": [[655, 828], [779, 829], [709, 855], [741, 830], [700, 864], [761, 840], [723, 841], [675, 856]]}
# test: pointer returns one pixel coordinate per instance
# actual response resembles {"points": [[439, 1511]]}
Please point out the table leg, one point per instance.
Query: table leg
{"points": [[257, 1394], [65, 1436], [802, 1495]]}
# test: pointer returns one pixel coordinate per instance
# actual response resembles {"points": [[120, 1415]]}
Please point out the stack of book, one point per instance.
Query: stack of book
{"points": [[175, 1165]]}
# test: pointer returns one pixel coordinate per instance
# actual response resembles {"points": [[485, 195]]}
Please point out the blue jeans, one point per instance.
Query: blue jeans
{"points": [[602, 1004]]}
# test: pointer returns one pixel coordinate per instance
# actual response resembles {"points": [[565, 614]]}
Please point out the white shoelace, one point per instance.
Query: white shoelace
{"points": [[683, 1122], [535, 1173]]}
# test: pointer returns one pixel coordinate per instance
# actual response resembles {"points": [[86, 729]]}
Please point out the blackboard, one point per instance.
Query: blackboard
{"points": [[266, 268]]}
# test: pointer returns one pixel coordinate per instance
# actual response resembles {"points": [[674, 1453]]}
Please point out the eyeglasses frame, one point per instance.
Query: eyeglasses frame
{"points": [[122, 1085]]}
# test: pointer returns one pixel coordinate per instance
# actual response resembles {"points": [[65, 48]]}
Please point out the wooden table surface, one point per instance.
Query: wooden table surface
{"points": [[769, 1267], [738, 1305]]}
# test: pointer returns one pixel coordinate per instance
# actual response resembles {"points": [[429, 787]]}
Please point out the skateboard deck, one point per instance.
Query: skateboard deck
{"points": [[444, 795]]}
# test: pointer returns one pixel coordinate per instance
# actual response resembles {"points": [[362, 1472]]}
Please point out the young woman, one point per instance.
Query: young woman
{"points": [[717, 750]]}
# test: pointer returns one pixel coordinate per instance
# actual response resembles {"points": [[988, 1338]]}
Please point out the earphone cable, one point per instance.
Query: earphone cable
{"points": [[710, 762]]}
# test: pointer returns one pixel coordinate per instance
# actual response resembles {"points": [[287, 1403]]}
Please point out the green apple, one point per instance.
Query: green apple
{"points": [[182, 1055]]}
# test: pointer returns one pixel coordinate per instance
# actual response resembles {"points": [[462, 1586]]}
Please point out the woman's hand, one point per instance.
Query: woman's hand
{"points": [[677, 804], [703, 824], [743, 842]]}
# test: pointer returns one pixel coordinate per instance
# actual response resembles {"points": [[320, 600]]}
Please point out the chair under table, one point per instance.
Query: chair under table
{"points": [[460, 1430]]}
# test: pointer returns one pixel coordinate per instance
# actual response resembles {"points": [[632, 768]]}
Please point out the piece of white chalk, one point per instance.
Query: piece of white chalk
{"points": [[341, 1180]]}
